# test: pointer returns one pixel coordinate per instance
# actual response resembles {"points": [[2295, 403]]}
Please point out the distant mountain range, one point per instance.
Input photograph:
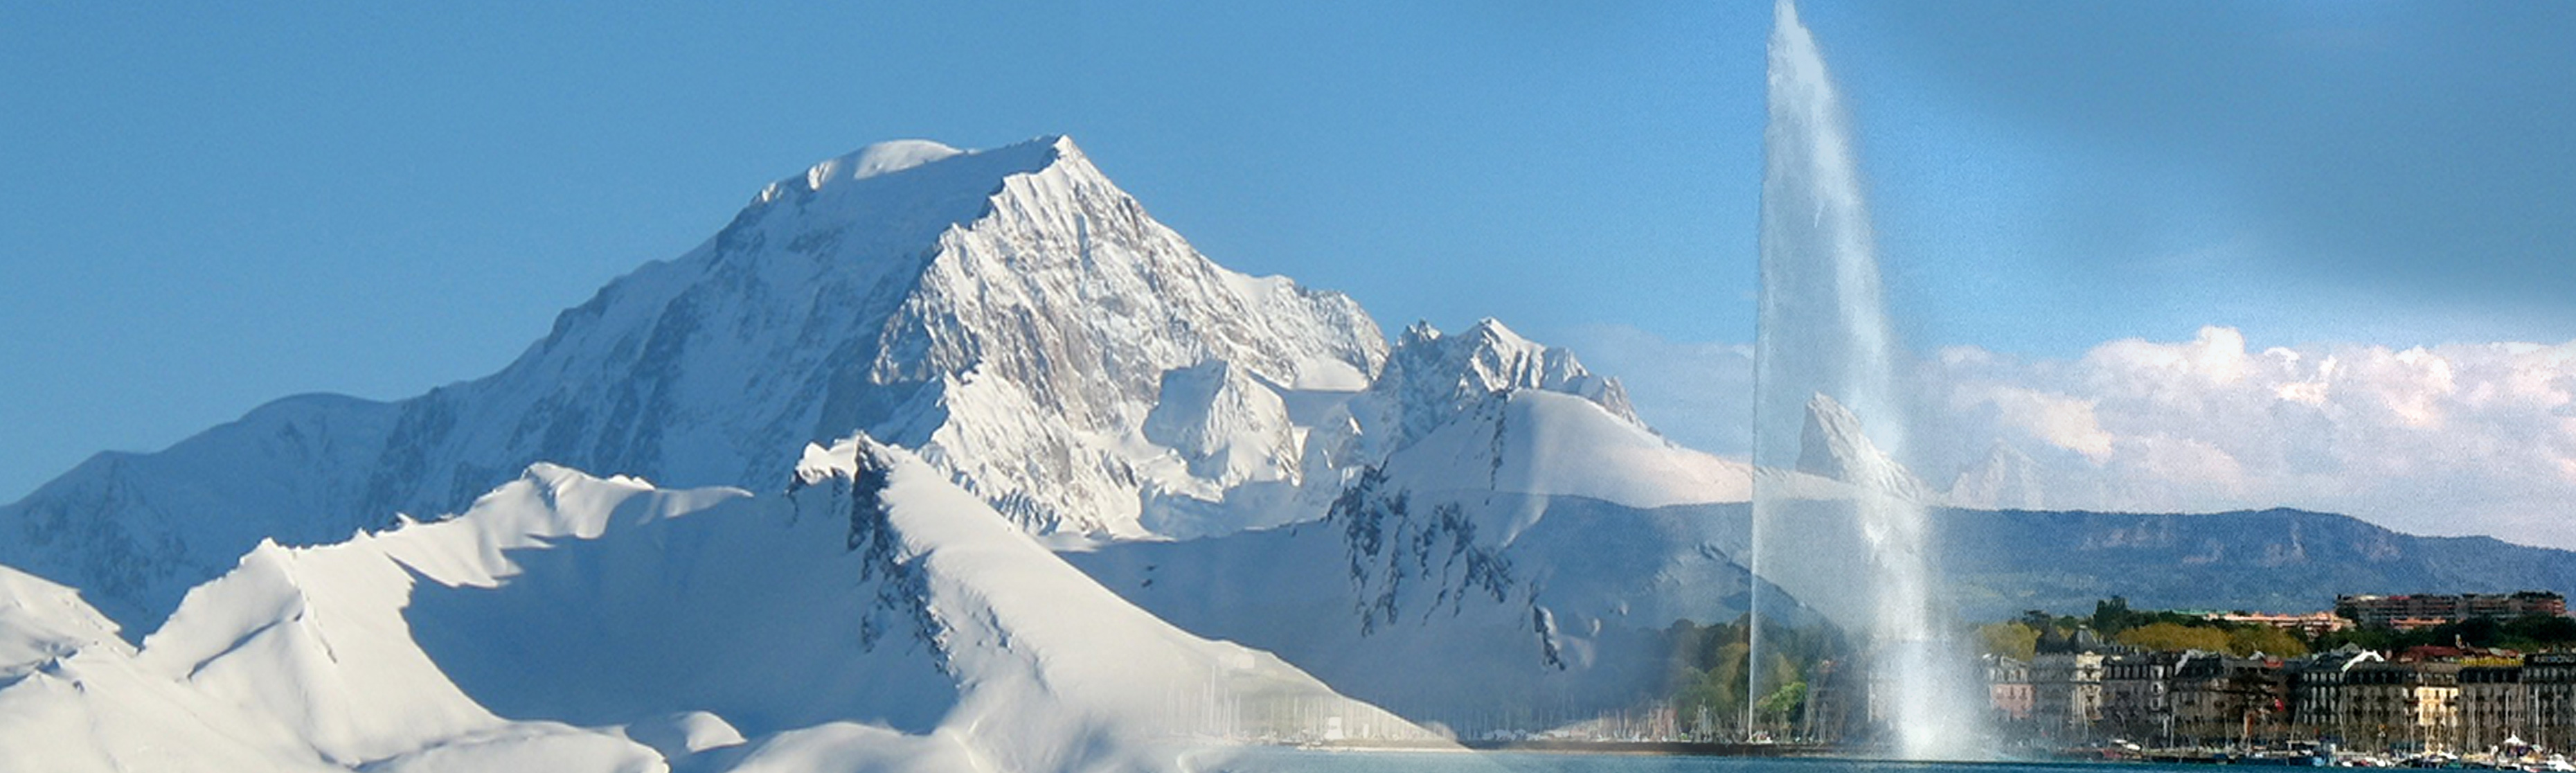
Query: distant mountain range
{"points": [[2270, 560]]}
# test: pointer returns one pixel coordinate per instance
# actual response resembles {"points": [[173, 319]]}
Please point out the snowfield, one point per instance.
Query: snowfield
{"points": [[877, 617]]}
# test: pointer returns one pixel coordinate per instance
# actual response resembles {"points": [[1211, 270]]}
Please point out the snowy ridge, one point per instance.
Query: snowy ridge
{"points": [[1409, 600], [1430, 377], [871, 161], [134, 531], [41, 623], [576, 623], [1520, 555], [1556, 444]]}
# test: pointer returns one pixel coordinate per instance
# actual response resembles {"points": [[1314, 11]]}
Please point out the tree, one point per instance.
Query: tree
{"points": [[2013, 640], [2111, 616], [1709, 667], [2265, 639], [2475, 632], [2537, 631], [2175, 636], [1782, 705]]}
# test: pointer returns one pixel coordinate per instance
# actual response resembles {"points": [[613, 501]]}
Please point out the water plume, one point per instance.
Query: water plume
{"points": [[1828, 523]]}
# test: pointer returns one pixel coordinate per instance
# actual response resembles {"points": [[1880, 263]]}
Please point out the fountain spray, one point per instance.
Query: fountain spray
{"points": [[1834, 533]]}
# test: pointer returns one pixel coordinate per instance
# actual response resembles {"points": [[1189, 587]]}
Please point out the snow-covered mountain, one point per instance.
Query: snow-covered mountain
{"points": [[876, 616], [1453, 520], [1010, 314], [1517, 559]]}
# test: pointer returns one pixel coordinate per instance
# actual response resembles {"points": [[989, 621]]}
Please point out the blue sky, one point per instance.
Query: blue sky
{"points": [[206, 208]]}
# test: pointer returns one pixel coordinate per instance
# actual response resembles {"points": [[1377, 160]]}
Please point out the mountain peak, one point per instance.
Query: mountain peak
{"points": [[881, 158], [1431, 376], [1486, 333], [1494, 334], [896, 157], [1834, 445]]}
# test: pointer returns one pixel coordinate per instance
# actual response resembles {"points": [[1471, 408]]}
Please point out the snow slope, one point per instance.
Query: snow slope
{"points": [[875, 617], [1549, 443], [1516, 561]]}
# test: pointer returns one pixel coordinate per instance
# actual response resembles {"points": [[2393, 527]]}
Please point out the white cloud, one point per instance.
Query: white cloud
{"points": [[2194, 466], [2453, 439], [2056, 419], [2448, 439]]}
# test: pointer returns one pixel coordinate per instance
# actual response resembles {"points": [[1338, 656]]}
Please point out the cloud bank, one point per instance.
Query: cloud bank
{"points": [[2453, 439]]}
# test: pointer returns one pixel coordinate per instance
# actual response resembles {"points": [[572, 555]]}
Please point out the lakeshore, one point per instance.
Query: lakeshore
{"points": [[1579, 746], [2113, 755]]}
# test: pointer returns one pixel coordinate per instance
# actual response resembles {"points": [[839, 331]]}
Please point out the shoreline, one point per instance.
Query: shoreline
{"points": [[1801, 751], [1634, 748]]}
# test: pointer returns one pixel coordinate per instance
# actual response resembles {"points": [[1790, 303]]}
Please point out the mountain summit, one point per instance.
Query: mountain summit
{"points": [[1020, 331], [1010, 314]]}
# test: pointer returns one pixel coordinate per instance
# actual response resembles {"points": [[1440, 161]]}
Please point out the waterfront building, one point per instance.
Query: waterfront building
{"points": [[2136, 696], [2320, 708], [2221, 700], [2066, 693], [2549, 683], [2008, 689], [2402, 706], [2493, 705]]}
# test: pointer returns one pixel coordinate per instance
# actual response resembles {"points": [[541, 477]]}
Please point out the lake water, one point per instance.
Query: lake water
{"points": [[1280, 760]]}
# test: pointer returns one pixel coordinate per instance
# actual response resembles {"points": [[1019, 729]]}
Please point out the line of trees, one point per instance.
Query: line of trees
{"points": [[1710, 663], [2526, 633], [2114, 621]]}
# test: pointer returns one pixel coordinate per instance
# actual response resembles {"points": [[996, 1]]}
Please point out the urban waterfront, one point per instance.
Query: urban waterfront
{"points": [[1287, 760], [2423, 674]]}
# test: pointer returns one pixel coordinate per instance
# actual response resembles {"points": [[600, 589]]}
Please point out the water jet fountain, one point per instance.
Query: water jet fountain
{"points": [[1836, 520]]}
